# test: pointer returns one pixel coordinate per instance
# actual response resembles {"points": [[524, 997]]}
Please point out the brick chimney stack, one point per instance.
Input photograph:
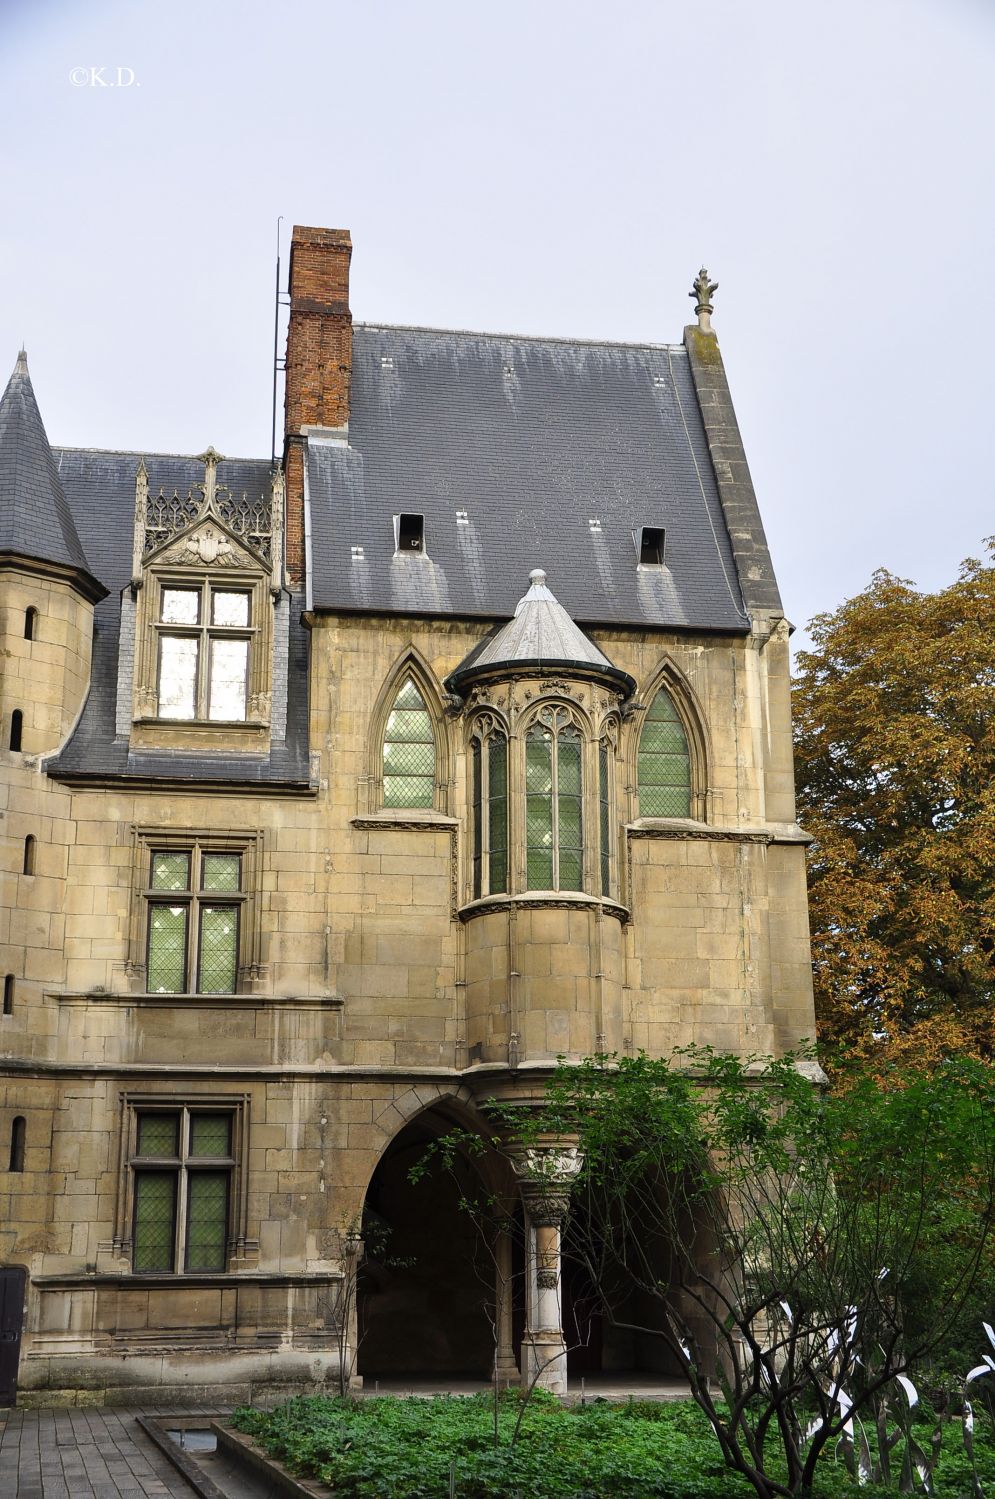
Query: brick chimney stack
{"points": [[319, 360]]}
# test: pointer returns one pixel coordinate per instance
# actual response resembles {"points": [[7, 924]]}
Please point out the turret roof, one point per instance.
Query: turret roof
{"points": [[35, 518]]}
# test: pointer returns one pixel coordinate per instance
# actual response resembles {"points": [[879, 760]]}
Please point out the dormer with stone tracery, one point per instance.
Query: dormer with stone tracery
{"points": [[207, 573]]}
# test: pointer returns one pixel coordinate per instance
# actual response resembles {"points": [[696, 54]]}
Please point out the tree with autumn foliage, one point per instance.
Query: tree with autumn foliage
{"points": [[895, 760]]}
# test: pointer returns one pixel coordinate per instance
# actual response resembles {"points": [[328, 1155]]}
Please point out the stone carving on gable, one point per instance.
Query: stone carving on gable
{"points": [[158, 517]]}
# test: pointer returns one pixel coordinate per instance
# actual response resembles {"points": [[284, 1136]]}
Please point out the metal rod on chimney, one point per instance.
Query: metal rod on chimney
{"points": [[276, 335]]}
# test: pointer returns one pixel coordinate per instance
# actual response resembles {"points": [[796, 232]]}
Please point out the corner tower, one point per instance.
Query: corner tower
{"points": [[48, 590]]}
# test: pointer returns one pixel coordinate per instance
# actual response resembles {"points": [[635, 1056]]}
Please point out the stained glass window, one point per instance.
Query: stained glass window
{"points": [[489, 798], [604, 802], [664, 771], [554, 824], [409, 752]]}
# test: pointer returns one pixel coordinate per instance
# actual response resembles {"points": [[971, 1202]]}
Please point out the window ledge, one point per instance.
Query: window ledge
{"points": [[206, 1001], [183, 1280], [686, 827], [252, 724], [406, 817], [564, 900]]}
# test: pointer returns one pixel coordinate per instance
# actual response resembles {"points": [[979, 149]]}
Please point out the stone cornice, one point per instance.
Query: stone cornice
{"points": [[780, 832]]}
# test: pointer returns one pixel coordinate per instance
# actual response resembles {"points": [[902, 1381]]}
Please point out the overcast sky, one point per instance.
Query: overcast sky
{"points": [[540, 167]]}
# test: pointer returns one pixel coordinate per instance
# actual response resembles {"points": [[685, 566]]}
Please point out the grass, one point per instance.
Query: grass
{"points": [[388, 1448]]}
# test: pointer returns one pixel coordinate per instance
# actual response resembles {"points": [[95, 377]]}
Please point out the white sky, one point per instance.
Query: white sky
{"points": [[543, 167]]}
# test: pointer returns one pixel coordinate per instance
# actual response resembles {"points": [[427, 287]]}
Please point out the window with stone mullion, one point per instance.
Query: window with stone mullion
{"points": [[554, 823], [489, 814], [182, 1186], [204, 639], [193, 933]]}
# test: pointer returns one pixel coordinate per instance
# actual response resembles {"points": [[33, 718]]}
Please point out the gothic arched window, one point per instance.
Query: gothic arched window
{"points": [[489, 806], [664, 771], [554, 834], [409, 751]]}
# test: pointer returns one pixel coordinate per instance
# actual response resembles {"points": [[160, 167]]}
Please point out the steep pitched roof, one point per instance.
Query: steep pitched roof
{"points": [[520, 452], [35, 518]]}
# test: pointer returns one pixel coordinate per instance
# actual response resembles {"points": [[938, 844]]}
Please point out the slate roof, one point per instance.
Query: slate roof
{"points": [[100, 490], [540, 635], [35, 519], [557, 452]]}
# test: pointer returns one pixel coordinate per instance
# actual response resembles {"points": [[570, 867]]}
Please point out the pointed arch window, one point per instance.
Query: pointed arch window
{"points": [[554, 834], [664, 769], [409, 776], [489, 806]]}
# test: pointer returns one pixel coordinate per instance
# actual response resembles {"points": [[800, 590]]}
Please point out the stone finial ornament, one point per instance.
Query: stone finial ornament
{"points": [[702, 294]]}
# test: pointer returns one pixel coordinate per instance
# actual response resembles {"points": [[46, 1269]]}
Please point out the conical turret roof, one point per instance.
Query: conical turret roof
{"points": [[35, 518], [541, 635]]}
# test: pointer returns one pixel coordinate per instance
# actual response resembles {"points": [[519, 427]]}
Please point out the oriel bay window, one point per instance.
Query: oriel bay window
{"points": [[182, 1165], [204, 638], [194, 905]]}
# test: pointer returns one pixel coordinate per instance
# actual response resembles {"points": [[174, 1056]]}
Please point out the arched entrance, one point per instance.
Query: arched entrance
{"points": [[426, 1296]]}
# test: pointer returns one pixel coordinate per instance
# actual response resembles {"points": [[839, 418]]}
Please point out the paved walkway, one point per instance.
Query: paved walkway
{"points": [[103, 1453], [84, 1454]]}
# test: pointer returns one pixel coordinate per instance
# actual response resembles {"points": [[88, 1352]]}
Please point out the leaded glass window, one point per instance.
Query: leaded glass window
{"points": [[193, 935], [204, 638], [554, 842], [489, 799], [604, 815], [409, 751], [182, 1166], [664, 771]]}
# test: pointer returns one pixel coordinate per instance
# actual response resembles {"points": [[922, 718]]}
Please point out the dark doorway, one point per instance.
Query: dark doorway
{"points": [[11, 1312], [426, 1287]]}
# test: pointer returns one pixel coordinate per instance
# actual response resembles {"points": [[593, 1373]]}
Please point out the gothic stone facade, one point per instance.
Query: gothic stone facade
{"points": [[306, 850]]}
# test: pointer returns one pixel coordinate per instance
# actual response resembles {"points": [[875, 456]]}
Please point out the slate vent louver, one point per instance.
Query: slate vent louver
{"points": [[651, 543], [410, 534]]}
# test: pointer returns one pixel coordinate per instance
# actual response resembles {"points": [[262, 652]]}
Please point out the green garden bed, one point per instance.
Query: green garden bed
{"points": [[388, 1448]]}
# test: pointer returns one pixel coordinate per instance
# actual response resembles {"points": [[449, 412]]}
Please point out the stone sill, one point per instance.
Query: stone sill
{"points": [[204, 1001], [196, 1280], [686, 827], [404, 818], [544, 900]]}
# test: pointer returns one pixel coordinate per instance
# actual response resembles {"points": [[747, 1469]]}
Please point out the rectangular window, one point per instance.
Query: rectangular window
{"points": [[204, 639], [194, 902], [182, 1165], [489, 806]]}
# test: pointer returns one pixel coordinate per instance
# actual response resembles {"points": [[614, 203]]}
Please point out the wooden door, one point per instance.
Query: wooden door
{"points": [[11, 1312]]}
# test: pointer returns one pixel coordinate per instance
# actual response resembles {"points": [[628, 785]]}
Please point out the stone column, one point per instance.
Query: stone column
{"points": [[505, 1365], [545, 1176]]}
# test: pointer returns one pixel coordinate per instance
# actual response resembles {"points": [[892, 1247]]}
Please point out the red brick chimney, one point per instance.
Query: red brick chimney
{"points": [[319, 360]]}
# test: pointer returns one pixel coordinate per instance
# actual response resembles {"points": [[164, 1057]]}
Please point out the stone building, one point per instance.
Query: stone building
{"points": [[341, 797]]}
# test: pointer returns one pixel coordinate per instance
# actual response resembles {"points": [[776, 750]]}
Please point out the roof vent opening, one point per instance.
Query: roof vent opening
{"points": [[411, 533], [462, 519], [651, 539], [594, 525], [358, 555], [386, 361]]}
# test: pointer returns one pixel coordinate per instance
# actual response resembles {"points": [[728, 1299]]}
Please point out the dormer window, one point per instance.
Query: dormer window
{"points": [[411, 533], [204, 584], [204, 639], [651, 539]]}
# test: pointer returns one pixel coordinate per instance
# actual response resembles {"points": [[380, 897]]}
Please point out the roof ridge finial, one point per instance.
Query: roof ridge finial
{"points": [[537, 577], [21, 367], [702, 293]]}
